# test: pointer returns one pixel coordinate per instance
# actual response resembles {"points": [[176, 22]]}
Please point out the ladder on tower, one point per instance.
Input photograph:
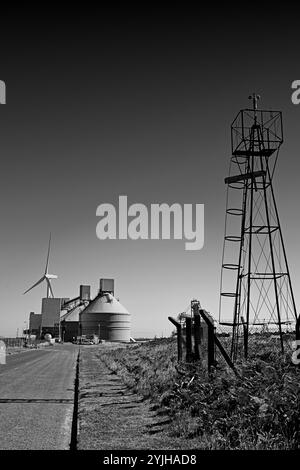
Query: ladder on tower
{"points": [[261, 256]]}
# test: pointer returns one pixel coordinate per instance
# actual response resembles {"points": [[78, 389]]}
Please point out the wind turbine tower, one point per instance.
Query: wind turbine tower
{"points": [[46, 276]]}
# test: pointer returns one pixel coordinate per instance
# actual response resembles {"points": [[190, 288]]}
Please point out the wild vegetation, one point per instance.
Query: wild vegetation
{"points": [[259, 410]]}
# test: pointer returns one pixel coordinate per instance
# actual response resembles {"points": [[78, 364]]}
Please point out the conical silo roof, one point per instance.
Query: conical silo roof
{"points": [[107, 317], [105, 303]]}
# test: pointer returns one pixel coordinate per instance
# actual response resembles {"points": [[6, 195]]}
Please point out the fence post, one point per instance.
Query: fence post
{"points": [[179, 343], [216, 341], [298, 333], [245, 329], [197, 328], [298, 329], [195, 306], [211, 346], [179, 337], [188, 324]]}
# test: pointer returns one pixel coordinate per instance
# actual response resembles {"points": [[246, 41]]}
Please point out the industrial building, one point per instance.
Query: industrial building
{"points": [[35, 323], [65, 318], [105, 316], [70, 323], [51, 308]]}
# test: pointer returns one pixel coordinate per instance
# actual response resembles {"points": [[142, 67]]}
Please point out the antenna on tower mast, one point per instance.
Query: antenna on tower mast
{"points": [[255, 99]]}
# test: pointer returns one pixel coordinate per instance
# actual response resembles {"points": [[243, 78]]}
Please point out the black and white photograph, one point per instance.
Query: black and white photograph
{"points": [[150, 220]]}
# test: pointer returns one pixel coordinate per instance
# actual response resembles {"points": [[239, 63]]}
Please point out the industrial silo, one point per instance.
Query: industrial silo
{"points": [[106, 317]]}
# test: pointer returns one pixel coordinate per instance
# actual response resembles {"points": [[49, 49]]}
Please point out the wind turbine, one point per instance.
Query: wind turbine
{"points": [[46, 277]]}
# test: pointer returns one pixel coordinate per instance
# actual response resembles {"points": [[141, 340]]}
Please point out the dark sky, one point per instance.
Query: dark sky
{"points": [[109, 102]]}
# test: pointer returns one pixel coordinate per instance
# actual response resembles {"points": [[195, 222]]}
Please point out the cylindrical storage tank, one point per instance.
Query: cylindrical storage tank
{"points": [[106, 318]]}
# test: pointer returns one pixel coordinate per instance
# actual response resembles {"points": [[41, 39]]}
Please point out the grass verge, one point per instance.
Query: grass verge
{"points": [[260, 411]]}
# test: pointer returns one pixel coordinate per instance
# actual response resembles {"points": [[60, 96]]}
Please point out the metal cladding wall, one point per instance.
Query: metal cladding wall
{"points": [[85, 292], [106, 317], [35, 321], [51, 312]]}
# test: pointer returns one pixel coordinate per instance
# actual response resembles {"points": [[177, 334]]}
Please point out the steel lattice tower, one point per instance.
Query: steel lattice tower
{"points": [[256, 288]]}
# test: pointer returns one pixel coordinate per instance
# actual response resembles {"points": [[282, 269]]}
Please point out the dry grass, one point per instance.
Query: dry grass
{"points": [[259, 411], [111, 416]]}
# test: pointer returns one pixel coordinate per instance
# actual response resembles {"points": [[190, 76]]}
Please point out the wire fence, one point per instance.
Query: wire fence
{"points": [[262, 341], [13, 342], [20, 343], [212, 344]]}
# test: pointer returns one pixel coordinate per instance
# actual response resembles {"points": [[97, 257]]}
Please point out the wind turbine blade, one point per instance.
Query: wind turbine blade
{"points": [[34, 285], [47, 262], [50, 287]]}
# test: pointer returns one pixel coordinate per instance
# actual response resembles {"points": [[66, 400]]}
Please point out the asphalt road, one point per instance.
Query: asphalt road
{"points": [[36, 399]]}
